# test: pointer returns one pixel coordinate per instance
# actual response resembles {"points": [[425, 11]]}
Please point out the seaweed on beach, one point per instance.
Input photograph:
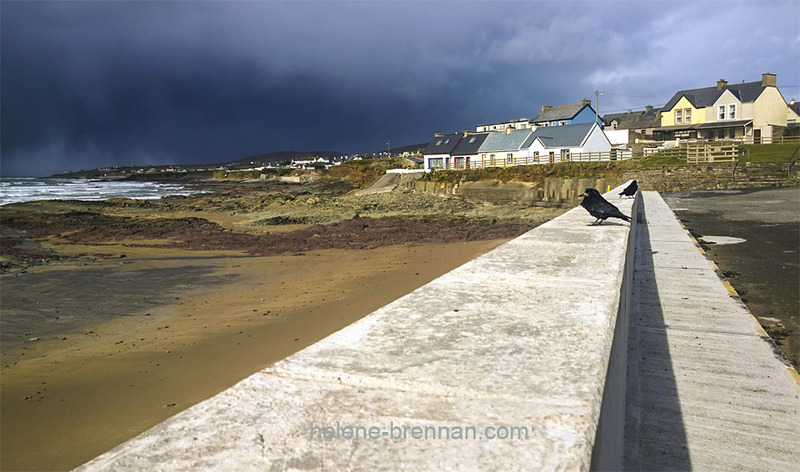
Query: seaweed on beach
{"points": [[81, 227]]}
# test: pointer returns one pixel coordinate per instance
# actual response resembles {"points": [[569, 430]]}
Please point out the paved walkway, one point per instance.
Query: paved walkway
{"points": [[706, 388]]}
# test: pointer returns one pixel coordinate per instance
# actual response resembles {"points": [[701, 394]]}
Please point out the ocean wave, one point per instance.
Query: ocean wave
{"points": [[16, 190]]}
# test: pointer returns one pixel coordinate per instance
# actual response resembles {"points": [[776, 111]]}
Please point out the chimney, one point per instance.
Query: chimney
{"points": [[721, 83], [648, 108], [585, 102], [792, 102], [545, 108], [768, 80]]}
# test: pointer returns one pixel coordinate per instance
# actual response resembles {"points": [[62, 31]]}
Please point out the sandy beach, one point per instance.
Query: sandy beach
{"points": [[109, 336]]}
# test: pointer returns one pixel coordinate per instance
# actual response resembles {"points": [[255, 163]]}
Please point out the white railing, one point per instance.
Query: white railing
{"points": [[464, 163]]}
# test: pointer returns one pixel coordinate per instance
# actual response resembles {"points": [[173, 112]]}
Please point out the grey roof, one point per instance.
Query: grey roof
{"points": [[566, 112], [560, 136], [704, 97], [499, 141], [795, 107], [635, 119], [470, 144], [442, 144]]}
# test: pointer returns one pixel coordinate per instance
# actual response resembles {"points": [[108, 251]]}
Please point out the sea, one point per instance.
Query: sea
{"points": [[14, 190]]}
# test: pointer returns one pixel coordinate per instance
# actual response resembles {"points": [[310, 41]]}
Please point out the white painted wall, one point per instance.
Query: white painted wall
{"points": [[617, 136]]}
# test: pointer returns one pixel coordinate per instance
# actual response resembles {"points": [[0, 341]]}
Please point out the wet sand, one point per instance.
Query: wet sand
{"points": [[113, 347]]}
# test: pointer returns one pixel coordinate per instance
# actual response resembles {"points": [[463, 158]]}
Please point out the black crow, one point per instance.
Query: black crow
{"points": [[631, 189], [599, 207]]}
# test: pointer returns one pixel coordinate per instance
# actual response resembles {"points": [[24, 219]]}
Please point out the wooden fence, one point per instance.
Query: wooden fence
{"points": [[711, 152], [768, 139]]}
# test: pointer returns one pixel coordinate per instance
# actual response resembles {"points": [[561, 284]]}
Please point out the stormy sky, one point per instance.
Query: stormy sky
{"points": [[87, 84]]}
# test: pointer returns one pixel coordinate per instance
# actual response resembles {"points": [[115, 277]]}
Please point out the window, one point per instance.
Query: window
{"points": [[687, 115], [436, 163], [509, 158], [565, 154], [732, 111], [491, 159], [721, 109], [678, 116], [535, 156], [472, 140], [562, 123], [439, 143]]}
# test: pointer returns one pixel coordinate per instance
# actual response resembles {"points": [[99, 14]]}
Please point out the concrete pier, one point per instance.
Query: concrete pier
{"points": [[707, 388], [508, 352], [517, 360]]}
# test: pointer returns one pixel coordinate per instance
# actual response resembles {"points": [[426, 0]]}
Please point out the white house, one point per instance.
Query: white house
{"points": [[437, 153], [501, 148], [547, 145]]}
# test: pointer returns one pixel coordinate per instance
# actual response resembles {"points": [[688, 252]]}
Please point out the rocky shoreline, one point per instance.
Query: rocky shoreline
{"points": [[257, 218]]}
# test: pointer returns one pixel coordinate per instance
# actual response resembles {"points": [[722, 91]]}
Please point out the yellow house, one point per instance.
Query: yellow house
{"points": [[683, 113], [793, 112], [749, 110]]}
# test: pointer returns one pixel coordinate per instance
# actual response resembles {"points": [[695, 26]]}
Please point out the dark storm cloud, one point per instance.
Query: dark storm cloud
{"points": [[87, 84]]}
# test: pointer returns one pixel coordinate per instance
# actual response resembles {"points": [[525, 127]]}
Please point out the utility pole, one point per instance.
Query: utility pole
{"points": [[596, 106], [389, 148]]}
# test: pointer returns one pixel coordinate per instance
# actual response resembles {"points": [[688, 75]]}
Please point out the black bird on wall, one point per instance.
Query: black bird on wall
{"points": [[631, 189], [599, 207]]}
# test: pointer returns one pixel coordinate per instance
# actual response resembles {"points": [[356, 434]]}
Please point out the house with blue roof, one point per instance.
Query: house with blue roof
{"points": [[749, 110], [548, 145], [566, 115]]}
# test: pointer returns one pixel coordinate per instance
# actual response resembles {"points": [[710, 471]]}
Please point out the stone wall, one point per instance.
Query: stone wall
{"points": [[552, 190], [707, 176], [715, 176]]}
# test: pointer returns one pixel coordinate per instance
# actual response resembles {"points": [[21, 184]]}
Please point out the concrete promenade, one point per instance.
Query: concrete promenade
{"points": [[517, 360], [707, 389]]}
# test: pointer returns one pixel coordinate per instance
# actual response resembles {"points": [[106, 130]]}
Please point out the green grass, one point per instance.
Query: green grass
{"points": [[377, 163], [661, 159], [533, 173], [780, 152]]}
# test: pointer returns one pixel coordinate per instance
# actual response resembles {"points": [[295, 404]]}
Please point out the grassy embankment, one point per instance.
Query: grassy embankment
{"points": [[674, 157]]}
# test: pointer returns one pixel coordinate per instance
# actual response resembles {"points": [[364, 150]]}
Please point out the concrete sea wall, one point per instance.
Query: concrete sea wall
{"points": [[716, 176], [707, 176], [515, 360], [552, 189]]}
